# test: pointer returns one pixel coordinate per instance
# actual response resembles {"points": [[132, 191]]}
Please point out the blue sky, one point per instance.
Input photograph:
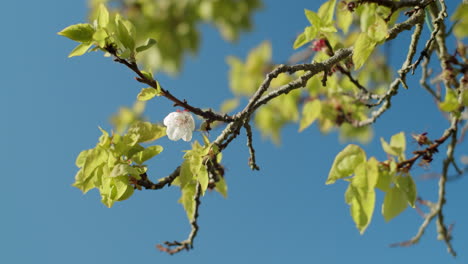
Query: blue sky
{"points": [[283, 213]]}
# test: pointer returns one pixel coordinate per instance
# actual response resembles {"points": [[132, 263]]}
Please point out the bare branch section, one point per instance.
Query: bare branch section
{"points": [[252, 161], [149, 185], [176, 246], [394, 5]]}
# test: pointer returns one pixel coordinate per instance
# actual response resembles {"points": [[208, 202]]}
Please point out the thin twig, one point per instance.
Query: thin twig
{"points": [[176, 246], [252, 163], [208, 114]]}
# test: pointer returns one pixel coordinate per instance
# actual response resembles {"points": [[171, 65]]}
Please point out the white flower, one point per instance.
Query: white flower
{"points": [[179, 125]]}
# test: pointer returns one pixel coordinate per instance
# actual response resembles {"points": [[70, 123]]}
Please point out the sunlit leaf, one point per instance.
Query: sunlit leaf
{"points": [[310, 112], [362, 50], [146, 154], [395, 202], [79, 32], [345, 163], [80, 50]]}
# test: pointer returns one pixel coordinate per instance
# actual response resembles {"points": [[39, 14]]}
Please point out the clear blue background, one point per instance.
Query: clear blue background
{"points": [[51, 107]]}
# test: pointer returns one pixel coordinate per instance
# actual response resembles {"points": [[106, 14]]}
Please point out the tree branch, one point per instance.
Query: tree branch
{"points": [[175, 246], [208, 115]]}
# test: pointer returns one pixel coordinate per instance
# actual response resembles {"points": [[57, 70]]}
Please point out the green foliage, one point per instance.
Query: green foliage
{"points": [[321, 23], [450, 103], [116, 161], [175, 26], [346, 162], [79, 32], [194, 171], [396, 147], [108, 32], [148, 93], [460, 30], [366, 175], [363, 48], [245, 78], [310, 112]]}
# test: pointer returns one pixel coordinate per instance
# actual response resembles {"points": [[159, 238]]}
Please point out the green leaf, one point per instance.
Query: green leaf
{"points": [[103, 16], [89, 181], [465, 97], [310, 33], [378, 30], [97, 157], [123, 169], [460, 29], [188, 199], [397, 145], [310, 112], [81, 159], [148, 93], [345, 163], [326, 12], [362, 50], [79, 32], [80, 49], [146, 131], [313, 18], [366, 174], [384, 180], [362, 203], [450, 104], [124, 34], [203, 179], [300, 41], [146, 154], [185, 175], [100, 36], [149, 43], [221, 187], [406, 184], [395, 202], [148, 75], [344, 18]]}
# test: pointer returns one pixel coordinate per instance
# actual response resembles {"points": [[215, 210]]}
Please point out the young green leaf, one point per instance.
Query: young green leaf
{"points": [[395, 202], [397, 145], [80, 49], [406, 184], [148, 93], [188, 199], [79, 32], [300, 41], [149, 43], [123, 169], [346, 162], [362, 203], [124, 34], [344, 18], [146, 154], [310, 112], [450, 104], [326, 12], [378, 30], [221, 187], [103, 16], [203, 179], [362, 50], [313, 18]]}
